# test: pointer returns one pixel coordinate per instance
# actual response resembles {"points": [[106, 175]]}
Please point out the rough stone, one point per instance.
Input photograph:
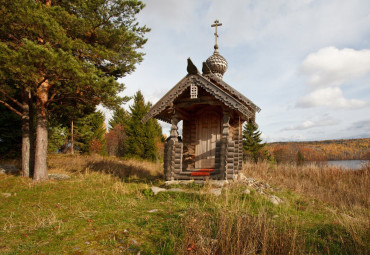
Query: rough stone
{"points": [[176, 190], [216, 192], [8, 169], [168, 183], [183, 182], [247, 191], [59, 176], [6, 195], [156, 190], [242, 177], [152, 211], [275, 200], [219, 183]]}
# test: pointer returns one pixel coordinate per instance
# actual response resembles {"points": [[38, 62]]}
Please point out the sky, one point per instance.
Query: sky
{"points": [[305, 63]]}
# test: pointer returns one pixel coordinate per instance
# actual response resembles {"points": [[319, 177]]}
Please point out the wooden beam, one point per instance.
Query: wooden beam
{"points": [[187, 104], [183, 114]]}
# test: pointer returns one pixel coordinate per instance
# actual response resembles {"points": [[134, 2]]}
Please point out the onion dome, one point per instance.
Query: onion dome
{"points": [[217, 64]]}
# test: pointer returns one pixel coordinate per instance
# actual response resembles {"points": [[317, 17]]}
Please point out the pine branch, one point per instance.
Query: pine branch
{"points": [[12, 99], [11, 108]]}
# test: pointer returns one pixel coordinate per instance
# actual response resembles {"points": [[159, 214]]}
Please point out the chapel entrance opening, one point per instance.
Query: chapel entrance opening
{"points": [[208, 133]]}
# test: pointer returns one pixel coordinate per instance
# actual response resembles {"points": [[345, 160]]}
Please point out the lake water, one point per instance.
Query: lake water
{"points": [[350, 164]]}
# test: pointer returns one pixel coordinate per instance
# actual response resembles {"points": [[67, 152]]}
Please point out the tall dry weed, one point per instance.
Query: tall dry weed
{"points": [[345, 191], [236, 233], [344, 188]]}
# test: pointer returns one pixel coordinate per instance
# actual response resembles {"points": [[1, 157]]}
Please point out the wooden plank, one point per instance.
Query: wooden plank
{"points": [[208, 133]]}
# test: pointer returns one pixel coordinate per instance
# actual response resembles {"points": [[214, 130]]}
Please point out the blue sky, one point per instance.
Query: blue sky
{"points": [[305, 63]]}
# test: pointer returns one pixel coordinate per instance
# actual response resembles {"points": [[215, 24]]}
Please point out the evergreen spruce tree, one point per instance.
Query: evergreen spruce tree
{"points": [[88, 129], [116, 137], [141, 138], [252, 142], [58, 138], [120, 116]]}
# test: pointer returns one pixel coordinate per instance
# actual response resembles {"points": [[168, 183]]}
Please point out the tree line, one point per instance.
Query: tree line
{"points": [[126, 135], [59, 59], [299, 152], [345, 149]]}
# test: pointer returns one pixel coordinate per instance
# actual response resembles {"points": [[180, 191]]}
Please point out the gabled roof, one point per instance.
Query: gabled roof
{"points": [[233, 92], [213, 85]]}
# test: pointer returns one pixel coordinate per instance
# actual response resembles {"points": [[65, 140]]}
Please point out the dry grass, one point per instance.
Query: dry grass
{"points": [[109, 165], [343, 194], [343, 188], [231, 228], [327, 214], [106, 204]]}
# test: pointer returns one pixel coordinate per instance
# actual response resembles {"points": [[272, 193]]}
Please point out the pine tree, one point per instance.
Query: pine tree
{"points": [[53, 50], [252, 142], [141, 138]]}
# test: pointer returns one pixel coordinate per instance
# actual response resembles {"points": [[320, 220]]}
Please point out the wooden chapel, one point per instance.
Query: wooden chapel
{"points": [[213, 114]]}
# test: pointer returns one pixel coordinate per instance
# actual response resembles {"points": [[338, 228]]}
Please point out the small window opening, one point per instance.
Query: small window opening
{"points": [[193, 91]]}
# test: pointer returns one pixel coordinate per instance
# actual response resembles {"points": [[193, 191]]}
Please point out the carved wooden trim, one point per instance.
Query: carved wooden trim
{"points": [[199, 80]]}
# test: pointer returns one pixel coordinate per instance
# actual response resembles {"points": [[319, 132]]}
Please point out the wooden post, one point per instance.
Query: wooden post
{"points": [[174, 134], [224, 141], [72, 139], [173, 152], [240, 166]]}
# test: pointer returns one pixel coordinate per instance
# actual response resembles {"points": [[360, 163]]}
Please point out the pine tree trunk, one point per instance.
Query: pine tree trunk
{"points": [[72, 139], [32, 137], [26, 144], [41, 171]]}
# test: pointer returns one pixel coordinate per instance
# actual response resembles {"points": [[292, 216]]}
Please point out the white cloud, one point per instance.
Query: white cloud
{"points": [[292, 23], [328, 69], [288, 138], [333, 67], [360, 128], [305, 125], [329, 97], [324, 120], [265, 42], [169, 14]]}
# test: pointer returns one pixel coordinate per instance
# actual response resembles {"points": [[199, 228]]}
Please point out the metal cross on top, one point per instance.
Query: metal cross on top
{"points": [[216, 24]]}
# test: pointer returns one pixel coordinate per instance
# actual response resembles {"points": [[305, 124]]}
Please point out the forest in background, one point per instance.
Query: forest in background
{"points": [[126, 136], [346, 149]]}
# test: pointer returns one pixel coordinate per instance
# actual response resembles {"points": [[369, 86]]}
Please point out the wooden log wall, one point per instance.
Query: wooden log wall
{"points": [[189, 143], [172, 159], [240, 164], [230, 151], [168, 148], [218, 157], [237, 137], [177, 157]]}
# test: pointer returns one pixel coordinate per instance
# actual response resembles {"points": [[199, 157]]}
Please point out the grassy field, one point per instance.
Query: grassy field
{"points": [[107, 207]]}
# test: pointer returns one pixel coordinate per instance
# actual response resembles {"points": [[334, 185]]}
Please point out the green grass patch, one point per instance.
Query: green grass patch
{"points": [[98, 213]]}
